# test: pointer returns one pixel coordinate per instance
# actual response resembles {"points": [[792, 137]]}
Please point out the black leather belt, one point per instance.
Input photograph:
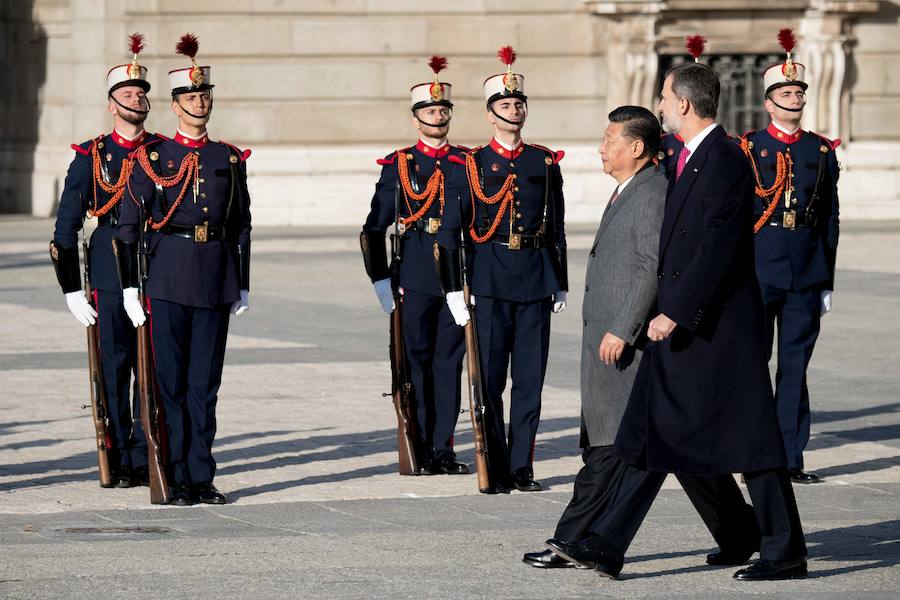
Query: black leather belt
{"points": [[427, 225], [791, 220], [198, 233], [517, 241]]}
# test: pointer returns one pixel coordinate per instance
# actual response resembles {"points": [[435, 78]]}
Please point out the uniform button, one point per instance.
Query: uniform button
{"points": [[683, 232], [675, 275], [518, 202], [518, 215], [203, 194], [197, 152], [516, 189], [202, 180], [200, 166], [514, 176], [660, 276], [437, 162], [205, 209], [520, 228], [512, 164]]}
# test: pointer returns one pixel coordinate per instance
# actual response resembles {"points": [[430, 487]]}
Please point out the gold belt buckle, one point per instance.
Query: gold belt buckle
{"points": [[201, 233], [515, 241], [789, 219], [433, 225]]}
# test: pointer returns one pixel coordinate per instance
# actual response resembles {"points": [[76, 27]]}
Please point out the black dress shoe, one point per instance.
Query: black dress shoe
{"points": [[181, 495], [122, 478], [800, 476], [447, 464], [525, 482], [772, 570], [141, 476], [729, 558], [586, 555], [547, 560], [498, 487], [207, 493]]}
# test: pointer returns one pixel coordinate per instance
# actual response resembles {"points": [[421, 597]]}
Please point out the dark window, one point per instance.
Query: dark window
{"points": [[741, 102]]}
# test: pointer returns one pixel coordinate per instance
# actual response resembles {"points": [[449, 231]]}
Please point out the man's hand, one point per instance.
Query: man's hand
{"points": [[660, 328], [559, 301], [611, 347], [457, 305], [80, 308], [826, 302], [385, 294], [243, 305], [133, 308]]}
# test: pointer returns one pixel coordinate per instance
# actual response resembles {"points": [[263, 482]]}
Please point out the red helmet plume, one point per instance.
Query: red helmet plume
{"points": [[695, 44], [787, 39], [507, 55], [188, 45], [136, 42], [437, 64]]}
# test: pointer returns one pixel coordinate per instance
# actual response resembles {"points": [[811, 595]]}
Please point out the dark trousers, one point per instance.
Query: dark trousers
{"points": [[517, 333], [435, 345], [189, 348], [797, 314], [118, 355], [718, 500]]}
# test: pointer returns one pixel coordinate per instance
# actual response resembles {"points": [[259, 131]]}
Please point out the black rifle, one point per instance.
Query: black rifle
{"points": [[402, 389], [99, 404], [153, 417]]}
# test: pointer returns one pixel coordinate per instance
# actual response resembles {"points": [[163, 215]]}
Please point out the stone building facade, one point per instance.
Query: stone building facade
{"points": [[319, 88]]}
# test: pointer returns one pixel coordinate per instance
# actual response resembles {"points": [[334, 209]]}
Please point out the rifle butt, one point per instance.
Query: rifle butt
{"points": [[405, 445], [402, 396], [473, 375], [99, 409], [152, 420]]}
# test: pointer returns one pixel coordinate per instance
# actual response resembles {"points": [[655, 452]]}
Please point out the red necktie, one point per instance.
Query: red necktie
{"points": [[682, 160]]}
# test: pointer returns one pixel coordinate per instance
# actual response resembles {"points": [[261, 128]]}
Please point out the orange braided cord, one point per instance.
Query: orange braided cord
{"points": [[782, 168], [433, 189], [504, 196], [186, 171], [116, 190]]}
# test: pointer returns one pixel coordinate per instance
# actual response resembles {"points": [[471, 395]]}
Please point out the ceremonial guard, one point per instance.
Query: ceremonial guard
{"points": [[510, 219], [189, 196], [796, 225], [93, 188], [409, 199]]}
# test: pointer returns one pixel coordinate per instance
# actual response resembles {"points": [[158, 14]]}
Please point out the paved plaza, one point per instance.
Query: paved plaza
{"points": [[306, 452]]}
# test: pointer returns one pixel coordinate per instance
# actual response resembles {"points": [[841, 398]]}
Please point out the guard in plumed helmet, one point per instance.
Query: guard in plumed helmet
{"points": [[411, 196], [93, 188], [510, 218], [796, 229], [189, 194]]}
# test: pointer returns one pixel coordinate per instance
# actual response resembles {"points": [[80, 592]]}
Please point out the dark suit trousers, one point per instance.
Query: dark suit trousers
{"points": [[189, 352], [435, 345], [718, 500], [118, 352], [797, 314]]}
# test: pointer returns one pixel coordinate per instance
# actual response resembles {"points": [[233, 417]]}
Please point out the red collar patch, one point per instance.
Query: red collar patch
{"points": [[496, 147], [787, 138], [191, 143], [433, 152], [128, 144]]}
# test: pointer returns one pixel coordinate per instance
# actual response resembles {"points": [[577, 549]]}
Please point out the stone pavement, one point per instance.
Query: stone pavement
{"points": [[306, 452]]}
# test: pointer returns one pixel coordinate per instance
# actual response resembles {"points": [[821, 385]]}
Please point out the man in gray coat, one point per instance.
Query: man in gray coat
{"points": [[619, 295]]}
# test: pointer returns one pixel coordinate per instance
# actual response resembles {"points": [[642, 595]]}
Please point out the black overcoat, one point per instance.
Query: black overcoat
{"points": [[702, 400]]}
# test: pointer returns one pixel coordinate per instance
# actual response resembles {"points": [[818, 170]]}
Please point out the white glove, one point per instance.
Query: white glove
{"points": [[826, 301], [457, 305], [559, 301], [81, 308], [243, 305], [133, 306], [385, 294]]}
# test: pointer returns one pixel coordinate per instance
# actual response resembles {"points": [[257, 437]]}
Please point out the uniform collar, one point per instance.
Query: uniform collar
{"points": [[497, 147], [782, 136], [186, 140], [124, 142], [433, 152]]}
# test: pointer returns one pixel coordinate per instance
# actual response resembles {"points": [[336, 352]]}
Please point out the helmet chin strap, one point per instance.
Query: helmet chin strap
{"points": [[493, 112], [134, 110], [436, 125], [190, 114], [793, 110]]}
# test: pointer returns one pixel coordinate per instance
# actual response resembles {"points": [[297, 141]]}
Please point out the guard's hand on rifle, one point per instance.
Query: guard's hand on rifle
{"points": [[243, 305], [559, 301], [81, 308], [133, 307], [826, 302], [385, 294], [457, 305]]}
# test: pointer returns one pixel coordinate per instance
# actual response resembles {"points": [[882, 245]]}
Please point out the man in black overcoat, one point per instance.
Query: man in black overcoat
{"points": [[702, 404]]}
